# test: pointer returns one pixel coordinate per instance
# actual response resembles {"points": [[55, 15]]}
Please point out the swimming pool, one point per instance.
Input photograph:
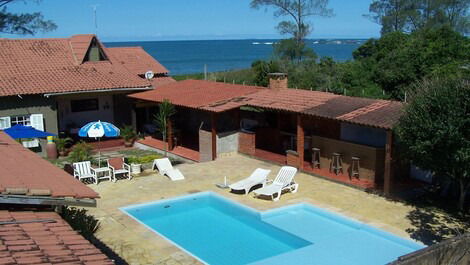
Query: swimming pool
{"points": [[216, 230]]}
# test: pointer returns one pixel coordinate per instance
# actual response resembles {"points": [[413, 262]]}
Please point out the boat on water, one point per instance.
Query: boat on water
{"points": [[268, 43], [255, 43]]}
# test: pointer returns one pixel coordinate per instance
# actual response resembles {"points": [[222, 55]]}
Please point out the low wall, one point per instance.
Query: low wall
{"points": [[227, 142], [371, 158], [205, 146], [454, 251]]}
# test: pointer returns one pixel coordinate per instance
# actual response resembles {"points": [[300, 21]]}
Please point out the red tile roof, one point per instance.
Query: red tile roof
{"points": [[25, 173], [219, 97], [200, 94], [295, 100], [37, 66], [136, 60], [44, 242], [363, 111], [80, 44]]}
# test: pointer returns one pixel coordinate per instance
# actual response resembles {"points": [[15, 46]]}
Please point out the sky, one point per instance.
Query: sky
{"points": [[140, 20]]}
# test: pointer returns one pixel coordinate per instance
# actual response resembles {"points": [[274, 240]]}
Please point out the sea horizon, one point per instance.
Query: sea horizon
{"points": [[182, 57]]}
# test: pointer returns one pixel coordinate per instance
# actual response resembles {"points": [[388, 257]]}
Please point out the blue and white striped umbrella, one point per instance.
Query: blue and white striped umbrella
{"points": [[99, 129]]}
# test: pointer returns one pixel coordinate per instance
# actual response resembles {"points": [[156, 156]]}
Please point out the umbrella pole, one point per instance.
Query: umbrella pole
{"points": [[99, 152]]}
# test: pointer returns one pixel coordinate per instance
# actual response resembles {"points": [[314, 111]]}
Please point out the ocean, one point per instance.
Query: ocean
{"points": [[187, 57]]}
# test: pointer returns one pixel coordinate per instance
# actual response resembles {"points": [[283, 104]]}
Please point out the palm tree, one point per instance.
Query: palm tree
{"points": [[162, 118]]}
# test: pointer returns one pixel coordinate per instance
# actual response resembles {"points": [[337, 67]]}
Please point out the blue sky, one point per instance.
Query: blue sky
{"points": [[120, 20]]}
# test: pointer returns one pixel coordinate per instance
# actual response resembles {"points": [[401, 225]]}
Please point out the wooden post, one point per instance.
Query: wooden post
{"points": [[300, 141], [214, 135], [388, 176], [170, 135]]}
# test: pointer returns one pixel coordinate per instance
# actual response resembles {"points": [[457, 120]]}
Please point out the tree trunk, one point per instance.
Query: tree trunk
{"points": [[464, 185], [164, 142]]}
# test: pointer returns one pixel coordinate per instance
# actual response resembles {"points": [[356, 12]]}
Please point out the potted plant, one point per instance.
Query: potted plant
{"points": [[136, 166], [129, 135], [62, 144]]}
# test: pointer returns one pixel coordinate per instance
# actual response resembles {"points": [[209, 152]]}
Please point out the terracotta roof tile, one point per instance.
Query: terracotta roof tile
{"points": [[59, 250], [36, 66], [295, 100], [136, 60], [80, 44], [218, 97], [199, 94], [35, 172]]}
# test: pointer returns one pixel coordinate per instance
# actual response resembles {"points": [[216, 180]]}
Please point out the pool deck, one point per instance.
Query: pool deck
{"points": [[137, 245]]}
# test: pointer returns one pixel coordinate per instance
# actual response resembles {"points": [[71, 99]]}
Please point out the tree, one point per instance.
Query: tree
{"points": [[290, 50], [397, 60], [412, 15], [393, 15], [162, 119], [299, 11], [23, 24], [435, 130]]}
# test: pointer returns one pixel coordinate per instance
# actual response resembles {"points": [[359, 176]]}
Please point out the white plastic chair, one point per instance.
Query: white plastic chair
{"points": [[256, 178], [283, 181], [165, 168], [83, 170]]}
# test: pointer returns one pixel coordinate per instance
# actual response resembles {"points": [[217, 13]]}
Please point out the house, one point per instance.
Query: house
{"points": [[281, 125], [59, 85], [31, 232]]}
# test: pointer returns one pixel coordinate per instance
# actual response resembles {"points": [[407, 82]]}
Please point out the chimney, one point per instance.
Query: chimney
{"points": [[277, 81]]}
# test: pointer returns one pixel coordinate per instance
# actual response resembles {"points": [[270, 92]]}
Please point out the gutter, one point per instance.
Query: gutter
{"points": [[98, 91], [43, 200]]}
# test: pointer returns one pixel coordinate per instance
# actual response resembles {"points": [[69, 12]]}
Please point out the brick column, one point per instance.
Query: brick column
{"points": [[246, 143], [214, 135], [388, 174], [300, 141]]}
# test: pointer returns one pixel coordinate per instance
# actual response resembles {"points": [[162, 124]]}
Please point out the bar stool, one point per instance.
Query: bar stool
{"points": [[355, 166], [316, 157], [336, 163]]}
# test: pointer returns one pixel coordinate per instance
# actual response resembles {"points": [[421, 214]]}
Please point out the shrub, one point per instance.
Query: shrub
{"points": [[81, 152], [80, 221], [142, 159]]}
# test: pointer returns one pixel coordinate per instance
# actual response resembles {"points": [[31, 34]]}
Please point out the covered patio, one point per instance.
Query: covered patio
{"points": [[206, 122], [288, 126]]}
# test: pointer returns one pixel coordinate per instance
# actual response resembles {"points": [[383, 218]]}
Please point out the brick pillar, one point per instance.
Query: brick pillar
{"points": [[300, 141], [214, 135], [292, 158], [388, 174], [246, 143]]}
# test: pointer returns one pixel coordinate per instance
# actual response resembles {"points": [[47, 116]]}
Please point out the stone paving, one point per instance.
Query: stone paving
{"points": [[137, 245]]}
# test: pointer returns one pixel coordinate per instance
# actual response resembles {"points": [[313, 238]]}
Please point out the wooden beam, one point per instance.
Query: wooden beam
{"points": [[214, 135], [44, 200], [388, 176], [300, 140]]}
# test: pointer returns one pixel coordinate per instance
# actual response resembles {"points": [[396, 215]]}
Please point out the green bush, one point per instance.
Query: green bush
{"points": [[81, 152], [142, 159], [80, 221]]}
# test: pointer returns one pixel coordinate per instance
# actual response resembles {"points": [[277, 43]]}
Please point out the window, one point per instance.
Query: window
{"points": [[34, 120], [95, 53], [84, 105], [21, 120]]}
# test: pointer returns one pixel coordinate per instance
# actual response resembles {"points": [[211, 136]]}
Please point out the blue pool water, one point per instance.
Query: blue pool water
{"points": [[216, 230]]}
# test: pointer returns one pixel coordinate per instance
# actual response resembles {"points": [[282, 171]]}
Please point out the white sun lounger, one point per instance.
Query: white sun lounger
{"points": [[283, 181], [165, 168], [256, 178]]}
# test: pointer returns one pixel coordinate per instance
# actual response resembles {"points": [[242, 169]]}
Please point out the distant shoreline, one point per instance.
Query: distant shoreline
{"points": [[254, 39]]}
